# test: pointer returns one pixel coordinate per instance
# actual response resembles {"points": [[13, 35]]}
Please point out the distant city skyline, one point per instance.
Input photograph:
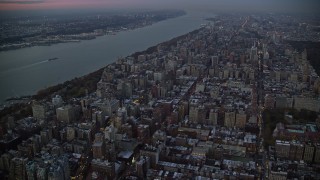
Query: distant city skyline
{"points": [[296, 6]]}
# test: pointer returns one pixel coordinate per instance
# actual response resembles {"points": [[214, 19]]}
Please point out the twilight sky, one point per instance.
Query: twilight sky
{"points": [[218, 5]]}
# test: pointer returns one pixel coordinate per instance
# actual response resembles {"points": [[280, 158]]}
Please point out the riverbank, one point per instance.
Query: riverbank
{"points": [[77, 87]]}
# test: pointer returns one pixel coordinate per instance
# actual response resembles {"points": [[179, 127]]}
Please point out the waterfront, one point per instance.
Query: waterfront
{"points": [[25, 71]]}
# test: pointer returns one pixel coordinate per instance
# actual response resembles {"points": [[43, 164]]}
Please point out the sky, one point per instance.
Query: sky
{"points": [[296, 6]]}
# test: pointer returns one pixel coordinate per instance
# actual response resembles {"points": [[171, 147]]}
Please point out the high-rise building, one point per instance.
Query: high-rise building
{"points": [[158, 76], [159, 136], [317, 153], [162, 90], [39, 110], [308, 154], [193, 114], [5, 161], [25, 149], [84, 132], [126, 90], [254, 53], [66, 114], [202, 113], [105, 167], [214, 92], [269, 101], [296, 151], [64, 164], [171, 65], [226, 73], [42, 170], [214, 60], [105, 89], [218, 152], [99, 137], [35, 142], [71, 133], [229, 119], [18, 168], [282, 149], [142, 82], [107, 75], [266, 56], [80, 146], [127, 128], [142, 166], [57, 101], [152, 152], [142, 58], [98, 147], [110, 154], [122, 112], [143, 132], [46, 135], [183, 110], [109, 133], [55, 172], [31, 170], [181, 140], [117, 121], [109, 106], [98, 150], [99, 118], [241, 119], [213, 117]]}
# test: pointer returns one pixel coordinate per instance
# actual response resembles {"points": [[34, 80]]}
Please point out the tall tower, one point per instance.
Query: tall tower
{"points": [[265, 52], [254, 52]]}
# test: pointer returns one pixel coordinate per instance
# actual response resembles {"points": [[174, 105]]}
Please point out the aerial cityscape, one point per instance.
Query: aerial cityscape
{"points": [[160, 93]]}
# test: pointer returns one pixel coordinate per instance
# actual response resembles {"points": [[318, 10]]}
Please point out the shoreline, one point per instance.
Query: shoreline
{"points": [[87, 81], [86, 77], [76, 38]]}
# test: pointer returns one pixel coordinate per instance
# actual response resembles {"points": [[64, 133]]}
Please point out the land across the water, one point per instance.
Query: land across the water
{"points": [[36, 30]]}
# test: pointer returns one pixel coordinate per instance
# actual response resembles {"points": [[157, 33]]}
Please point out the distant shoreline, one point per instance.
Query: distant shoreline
{"points": [[78, 37]]}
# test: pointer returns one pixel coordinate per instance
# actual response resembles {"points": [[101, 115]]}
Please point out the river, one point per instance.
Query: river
{"points": [[26, 71]]}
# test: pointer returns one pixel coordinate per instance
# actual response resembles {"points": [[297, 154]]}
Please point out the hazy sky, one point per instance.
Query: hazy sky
{"points": [[217, 5]]}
